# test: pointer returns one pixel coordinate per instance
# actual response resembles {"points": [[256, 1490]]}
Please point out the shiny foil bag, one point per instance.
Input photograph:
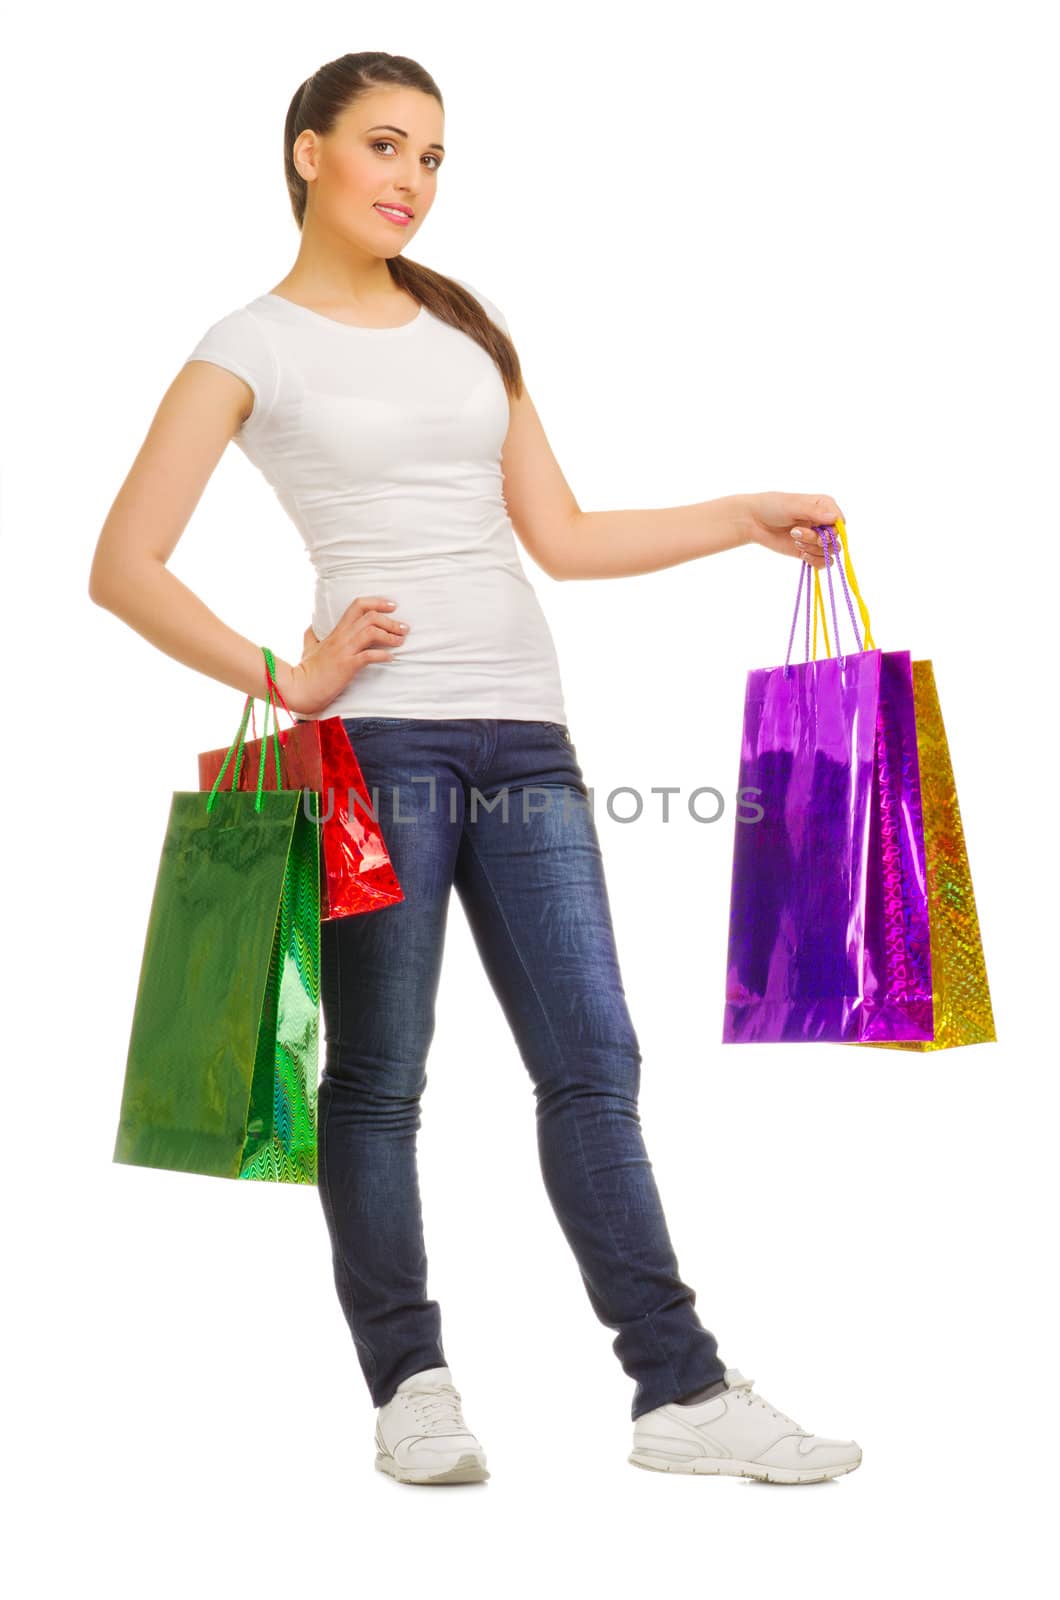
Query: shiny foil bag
{"points": [[829, 935], [222, 1069], [356, 874], [960, 991]]}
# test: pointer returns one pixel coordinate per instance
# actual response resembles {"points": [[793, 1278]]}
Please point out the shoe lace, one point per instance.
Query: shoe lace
{"points": [[738, 1384], [437, 1408]]}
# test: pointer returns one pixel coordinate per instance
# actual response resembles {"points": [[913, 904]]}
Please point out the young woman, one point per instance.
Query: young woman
{"points": [[383, 401]]}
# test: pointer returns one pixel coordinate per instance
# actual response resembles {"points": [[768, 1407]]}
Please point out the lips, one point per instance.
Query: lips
{"points": [[402, 211]]}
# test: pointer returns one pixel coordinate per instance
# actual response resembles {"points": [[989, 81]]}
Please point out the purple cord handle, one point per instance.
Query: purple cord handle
{"points": [[831, 545]]}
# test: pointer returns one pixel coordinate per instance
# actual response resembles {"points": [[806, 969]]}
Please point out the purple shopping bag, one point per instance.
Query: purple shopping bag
{"points": [[829, 922]]}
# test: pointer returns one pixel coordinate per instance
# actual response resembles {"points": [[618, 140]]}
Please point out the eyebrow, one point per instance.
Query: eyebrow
{"points": [[388, 127]]}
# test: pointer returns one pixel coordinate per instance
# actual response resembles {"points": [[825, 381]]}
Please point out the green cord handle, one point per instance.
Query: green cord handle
{"points": [[237, 742]]}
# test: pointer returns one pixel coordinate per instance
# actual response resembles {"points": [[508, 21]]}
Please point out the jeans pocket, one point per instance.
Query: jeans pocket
{"points": [[560, 729], [355, 726]]}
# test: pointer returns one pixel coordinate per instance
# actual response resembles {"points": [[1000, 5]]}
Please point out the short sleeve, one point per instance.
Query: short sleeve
{"points": [[490, 309], [240, 344]]}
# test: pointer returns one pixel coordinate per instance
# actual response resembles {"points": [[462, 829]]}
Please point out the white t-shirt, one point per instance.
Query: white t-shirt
{"points": [[383, 445]]}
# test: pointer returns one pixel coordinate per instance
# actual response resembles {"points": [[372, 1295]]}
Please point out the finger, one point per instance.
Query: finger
{"points": [[371, 655], [811, 548], [382, 630], [808, 538], [361, 612], [370, 602], [818, 508]]}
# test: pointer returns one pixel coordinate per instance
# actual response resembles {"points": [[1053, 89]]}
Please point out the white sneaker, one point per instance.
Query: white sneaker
{"points": [[738, 1433], [422, 1436]]}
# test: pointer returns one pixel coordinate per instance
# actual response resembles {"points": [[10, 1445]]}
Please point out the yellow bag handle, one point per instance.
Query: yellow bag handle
{"points": [[818, 598]]}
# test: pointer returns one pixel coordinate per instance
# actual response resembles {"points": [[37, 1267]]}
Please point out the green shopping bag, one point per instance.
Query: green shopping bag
{"points": [[221, 1076]]}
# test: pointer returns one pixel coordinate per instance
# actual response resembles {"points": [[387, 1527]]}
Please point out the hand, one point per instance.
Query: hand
{"points": [[367, 631], [785, 523], [310, 642]]}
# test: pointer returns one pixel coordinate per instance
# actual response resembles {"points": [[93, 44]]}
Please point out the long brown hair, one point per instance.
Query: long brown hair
{"points": [[317, 104]]}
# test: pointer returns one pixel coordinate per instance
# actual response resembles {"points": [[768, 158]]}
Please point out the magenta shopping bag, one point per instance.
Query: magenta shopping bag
{"points": [[829, 922]]}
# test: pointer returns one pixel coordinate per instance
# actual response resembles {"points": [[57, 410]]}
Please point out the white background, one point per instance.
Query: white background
{"points": [[739, 248]]}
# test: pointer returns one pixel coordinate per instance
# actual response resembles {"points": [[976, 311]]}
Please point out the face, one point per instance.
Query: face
{"points": [[383, 151]]}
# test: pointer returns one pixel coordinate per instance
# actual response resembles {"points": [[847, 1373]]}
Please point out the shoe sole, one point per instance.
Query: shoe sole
{"points": [[708, 1466], [468, 1469]]}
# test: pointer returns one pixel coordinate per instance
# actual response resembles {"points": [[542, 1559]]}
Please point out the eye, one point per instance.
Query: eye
{"points": [[429, 157]]}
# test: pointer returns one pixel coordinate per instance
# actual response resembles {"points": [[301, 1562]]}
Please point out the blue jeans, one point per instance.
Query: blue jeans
{"points": [[507, 821]]}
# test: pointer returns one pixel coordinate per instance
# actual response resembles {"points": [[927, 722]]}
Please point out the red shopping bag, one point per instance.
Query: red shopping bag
{"points": [[356, 874]]}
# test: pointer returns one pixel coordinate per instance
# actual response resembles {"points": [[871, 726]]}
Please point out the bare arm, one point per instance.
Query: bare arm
{"points": [[619, 544], [199, 413], [567, 542]]}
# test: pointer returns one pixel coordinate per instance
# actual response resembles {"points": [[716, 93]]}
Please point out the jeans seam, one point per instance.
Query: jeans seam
{"points": [[322, 1161], [325, 1193], [646, 1315]]}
